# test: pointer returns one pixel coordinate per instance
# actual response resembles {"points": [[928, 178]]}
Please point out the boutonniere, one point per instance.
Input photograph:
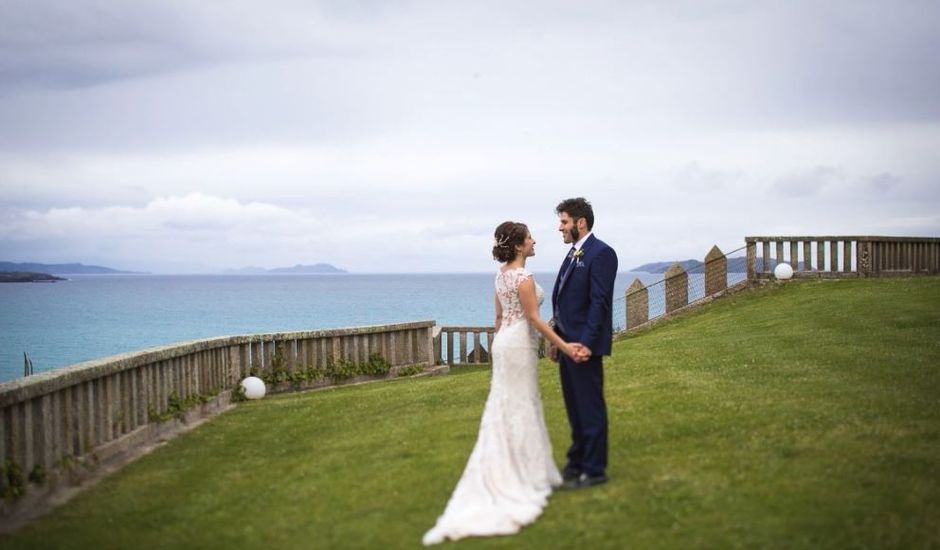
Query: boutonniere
{"points": [[578, 254]]}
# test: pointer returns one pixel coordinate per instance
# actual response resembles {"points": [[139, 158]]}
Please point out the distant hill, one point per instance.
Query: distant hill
{"points": [[28, 277], [320, 268], [662, 267], [60, 269]]}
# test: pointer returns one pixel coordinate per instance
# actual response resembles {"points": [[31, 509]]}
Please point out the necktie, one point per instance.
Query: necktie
{"points": [[566, 269], [571, 261]]}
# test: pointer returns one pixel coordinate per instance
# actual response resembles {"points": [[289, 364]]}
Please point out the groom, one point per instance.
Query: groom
{"points": [[582, 304]]}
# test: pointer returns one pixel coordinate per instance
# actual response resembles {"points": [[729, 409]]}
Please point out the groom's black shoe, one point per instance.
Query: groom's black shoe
{"points": [[570, 475], [583, 481]]}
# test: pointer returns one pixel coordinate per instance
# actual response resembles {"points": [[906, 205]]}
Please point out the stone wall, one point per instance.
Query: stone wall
{"points": [[843, 256], [55, 424]]}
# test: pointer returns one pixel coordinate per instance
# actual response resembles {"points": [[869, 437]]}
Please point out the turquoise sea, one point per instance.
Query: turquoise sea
{"points": [[94, 316]]}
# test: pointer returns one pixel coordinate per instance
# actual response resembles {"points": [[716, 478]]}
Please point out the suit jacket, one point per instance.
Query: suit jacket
{"points": [[583, 300]]}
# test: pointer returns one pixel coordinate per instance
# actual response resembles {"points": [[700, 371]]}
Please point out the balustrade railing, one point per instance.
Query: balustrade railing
{"points": [[845, 256], [462, 345], [97, 409]]}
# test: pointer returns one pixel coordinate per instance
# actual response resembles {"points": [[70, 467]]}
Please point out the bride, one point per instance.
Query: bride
{"points": [[510, 472]]}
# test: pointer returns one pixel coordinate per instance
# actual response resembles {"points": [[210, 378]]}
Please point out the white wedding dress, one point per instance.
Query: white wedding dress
{"points": [[511, 472]]}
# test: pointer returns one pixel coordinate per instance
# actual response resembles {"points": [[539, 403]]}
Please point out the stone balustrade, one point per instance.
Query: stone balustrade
{"points": [[458, 344], [92, 411], [845, 256]]}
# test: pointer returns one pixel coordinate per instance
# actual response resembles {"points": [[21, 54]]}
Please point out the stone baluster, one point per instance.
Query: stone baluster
{"points": [[751, 260]]}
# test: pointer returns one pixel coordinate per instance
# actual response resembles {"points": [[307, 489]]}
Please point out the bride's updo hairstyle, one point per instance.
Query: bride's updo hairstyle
{"points": [[508, 236]]}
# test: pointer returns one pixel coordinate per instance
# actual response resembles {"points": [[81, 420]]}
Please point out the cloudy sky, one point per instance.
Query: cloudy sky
{"points": [[393, 136]]}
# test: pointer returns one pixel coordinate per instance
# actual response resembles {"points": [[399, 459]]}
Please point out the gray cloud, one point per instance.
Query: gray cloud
{"points": [[429, 122], [882, 183], [181, 75], [693, 178], [66, 45], [807, 183]]}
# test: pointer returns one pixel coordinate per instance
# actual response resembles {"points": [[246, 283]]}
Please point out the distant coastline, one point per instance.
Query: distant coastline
{"points": [[662, 267], [735, 265], [82, 269], [61, 269], [28, 277]]}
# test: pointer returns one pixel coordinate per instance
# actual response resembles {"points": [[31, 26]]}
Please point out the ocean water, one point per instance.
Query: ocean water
{"points": [[95, 316]]}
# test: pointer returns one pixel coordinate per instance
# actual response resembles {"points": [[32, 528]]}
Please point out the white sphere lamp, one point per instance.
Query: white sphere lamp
{"points": [[783, 271], [254, 387]]}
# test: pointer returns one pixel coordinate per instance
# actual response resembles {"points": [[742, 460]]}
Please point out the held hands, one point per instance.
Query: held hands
{"points": [[578, 352], [583, 353]]}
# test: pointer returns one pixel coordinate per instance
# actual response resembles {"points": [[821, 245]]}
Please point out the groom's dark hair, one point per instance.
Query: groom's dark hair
{"points": [[577, 208]]}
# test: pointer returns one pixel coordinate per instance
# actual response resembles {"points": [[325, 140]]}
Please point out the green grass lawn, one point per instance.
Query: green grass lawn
{"points": [[804, 415]]}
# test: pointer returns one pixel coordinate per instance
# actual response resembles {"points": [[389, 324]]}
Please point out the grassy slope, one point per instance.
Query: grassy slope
{"points": [[803, 415]]}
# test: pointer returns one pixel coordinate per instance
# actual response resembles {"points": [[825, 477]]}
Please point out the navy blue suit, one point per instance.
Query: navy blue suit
{"points": [[582, 302]]}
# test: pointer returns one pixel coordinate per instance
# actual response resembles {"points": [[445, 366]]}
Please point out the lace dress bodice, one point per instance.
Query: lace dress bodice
{"points": [[507, 290]]}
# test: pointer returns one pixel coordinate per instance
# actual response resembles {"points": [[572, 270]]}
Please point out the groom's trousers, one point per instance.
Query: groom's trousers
{"points": [[582, 385]]}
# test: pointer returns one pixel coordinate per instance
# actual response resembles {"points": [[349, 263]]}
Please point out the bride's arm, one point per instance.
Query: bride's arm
{"points": [[530, 306], [499, 312]]}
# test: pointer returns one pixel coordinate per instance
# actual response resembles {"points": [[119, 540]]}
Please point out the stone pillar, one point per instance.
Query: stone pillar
{"points": [[450, 347], [110, 399], [638, 304], [143, 397], [436, 348], [26, 433], [751, 260], [820, 256], [429, 350], [44, 427], [462, 356], [864, 258], [336, 350], [716, 271], [677, 288], [89, 429], [354, 343], [4, 454], [413, 352]]}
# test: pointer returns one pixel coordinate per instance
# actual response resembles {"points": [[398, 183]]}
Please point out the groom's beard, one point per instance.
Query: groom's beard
{"points": [[575, 235]]}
